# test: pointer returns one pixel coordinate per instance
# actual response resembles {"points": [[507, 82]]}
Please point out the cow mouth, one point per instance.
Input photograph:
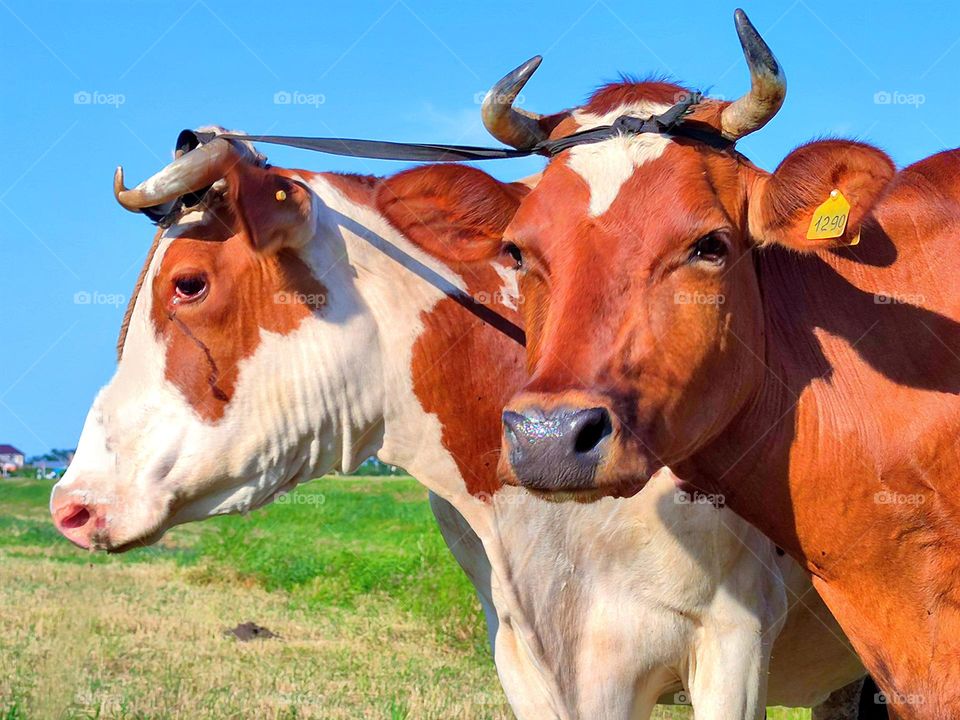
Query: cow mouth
{"points": [[140, 542], [621, 485], [153, 536], [587, 495]]}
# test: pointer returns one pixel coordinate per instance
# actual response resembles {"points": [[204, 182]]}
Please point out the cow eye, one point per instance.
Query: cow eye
{"points": [[189, 288], [710, 248], [514, 252]]}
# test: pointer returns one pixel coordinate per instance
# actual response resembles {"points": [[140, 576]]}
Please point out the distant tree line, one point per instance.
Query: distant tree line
{"points": [[62, 456]]}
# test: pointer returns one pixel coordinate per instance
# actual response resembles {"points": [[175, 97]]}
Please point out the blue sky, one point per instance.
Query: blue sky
{"points": [[90, 85]]}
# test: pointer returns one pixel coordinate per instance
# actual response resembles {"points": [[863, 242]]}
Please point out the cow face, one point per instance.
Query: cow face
{"points": [[638, 255], [236, 361], [636, 273], [644, 312]]}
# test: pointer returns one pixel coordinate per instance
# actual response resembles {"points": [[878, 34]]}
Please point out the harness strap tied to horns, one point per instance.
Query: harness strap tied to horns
{"points": [[671, 123]]}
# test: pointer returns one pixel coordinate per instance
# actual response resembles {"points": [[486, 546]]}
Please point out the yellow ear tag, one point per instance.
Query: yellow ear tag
{"points": [[281, 196], [830, 218]]}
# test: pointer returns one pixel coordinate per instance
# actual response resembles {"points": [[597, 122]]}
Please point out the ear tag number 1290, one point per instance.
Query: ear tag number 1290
{"points": [[830, 218]]}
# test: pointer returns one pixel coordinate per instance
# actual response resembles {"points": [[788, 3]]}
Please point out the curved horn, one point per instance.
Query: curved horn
{"points": [[768, 84], [189, 172], [510, 125]]}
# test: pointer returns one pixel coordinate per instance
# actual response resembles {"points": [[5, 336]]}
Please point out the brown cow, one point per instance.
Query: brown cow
{"points": [[679, 316]]}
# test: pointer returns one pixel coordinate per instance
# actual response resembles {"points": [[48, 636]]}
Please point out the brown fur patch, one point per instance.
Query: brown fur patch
{"points": [[206, 341], [254, 282], [464, 368], [617, 95]]}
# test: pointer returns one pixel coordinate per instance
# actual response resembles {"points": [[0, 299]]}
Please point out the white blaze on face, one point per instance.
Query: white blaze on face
{"points": [[605, 166], [509, 293], [114, 467]]}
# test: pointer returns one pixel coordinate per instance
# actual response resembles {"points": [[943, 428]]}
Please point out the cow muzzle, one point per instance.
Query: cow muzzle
{"points": [[570, 446], [94, 521], [556, 447], [83, 524]]}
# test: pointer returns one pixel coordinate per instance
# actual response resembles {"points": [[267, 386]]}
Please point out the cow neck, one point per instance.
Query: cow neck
{"points": [[428, 340], [855, 420]]}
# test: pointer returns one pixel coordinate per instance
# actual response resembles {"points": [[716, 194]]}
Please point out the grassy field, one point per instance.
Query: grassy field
{"points": [[375, 619]]}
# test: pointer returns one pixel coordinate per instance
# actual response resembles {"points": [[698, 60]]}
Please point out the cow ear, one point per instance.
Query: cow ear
{"points": [[274, 211], [783, 205], [455, 213]]}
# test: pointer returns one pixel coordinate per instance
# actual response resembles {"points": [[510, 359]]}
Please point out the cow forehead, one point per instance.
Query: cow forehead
{"points": [[606, 166], [669, 193]]}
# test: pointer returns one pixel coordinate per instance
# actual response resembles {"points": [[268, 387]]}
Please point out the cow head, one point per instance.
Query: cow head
{"points": [[250, 358], [210, 409], [644, 315]]}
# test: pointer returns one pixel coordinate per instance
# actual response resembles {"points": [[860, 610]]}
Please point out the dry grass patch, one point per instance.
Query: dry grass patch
{"points": [[139, 641], [374, 617]]}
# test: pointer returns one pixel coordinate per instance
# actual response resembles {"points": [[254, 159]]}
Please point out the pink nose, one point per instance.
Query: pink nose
{"points": [[82, 524]]}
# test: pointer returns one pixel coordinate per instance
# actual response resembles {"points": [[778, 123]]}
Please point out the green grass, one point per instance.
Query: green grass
{"points": [[376, 619], [328, 543], [335, 541]]}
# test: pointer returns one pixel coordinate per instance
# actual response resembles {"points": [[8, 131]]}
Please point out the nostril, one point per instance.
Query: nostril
{"points": [[593, 426], [511, 421], [79, 517]]}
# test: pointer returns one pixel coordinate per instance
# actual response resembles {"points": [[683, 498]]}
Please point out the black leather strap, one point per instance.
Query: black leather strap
{"points": [[670, 122], [378, 149]]}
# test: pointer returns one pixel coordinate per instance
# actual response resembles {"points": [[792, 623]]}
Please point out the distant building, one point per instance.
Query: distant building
{"points": [[11, 459], [52, 464]]}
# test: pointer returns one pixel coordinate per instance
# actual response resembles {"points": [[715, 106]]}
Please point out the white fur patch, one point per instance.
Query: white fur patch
{"points": [[509, 293], [605, 166], [185, 223]]}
